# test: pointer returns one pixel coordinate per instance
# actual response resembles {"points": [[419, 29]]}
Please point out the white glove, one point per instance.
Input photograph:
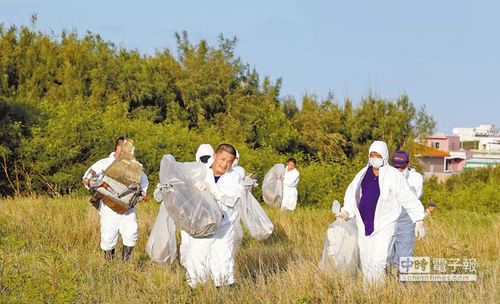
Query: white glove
{"points": [[158, 196], [335, 207], [342, 214], [419, 230]]}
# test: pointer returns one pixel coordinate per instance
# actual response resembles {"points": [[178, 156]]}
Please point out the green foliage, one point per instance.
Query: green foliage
{"points": [[322, 182], [64, 100], [472, 190], [469, 145]]}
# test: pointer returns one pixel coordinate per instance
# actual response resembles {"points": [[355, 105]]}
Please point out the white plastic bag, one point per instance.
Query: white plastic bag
{"points": [[272, 186], [254, 217], [341, 251], [161, 246], [193, 210]]}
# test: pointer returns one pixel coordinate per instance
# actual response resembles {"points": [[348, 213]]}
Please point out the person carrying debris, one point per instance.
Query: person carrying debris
{"points": [[119, 184], [375, 198]]}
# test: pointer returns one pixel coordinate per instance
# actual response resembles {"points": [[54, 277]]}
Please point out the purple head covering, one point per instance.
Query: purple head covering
{"points": [[400, 159]]}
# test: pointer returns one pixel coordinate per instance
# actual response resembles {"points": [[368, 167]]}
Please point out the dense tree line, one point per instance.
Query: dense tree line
{"points": [[64, 98]]}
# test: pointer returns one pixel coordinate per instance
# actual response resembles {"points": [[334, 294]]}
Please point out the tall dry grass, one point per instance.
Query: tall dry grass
{"points": [[49, 253]]}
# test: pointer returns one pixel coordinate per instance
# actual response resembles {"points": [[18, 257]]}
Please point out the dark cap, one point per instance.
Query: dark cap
{"points": [[400, 159]]}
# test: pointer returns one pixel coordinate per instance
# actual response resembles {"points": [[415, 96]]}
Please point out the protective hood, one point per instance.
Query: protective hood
{"points": [[204, 149], [381, 148], [236, 159]]}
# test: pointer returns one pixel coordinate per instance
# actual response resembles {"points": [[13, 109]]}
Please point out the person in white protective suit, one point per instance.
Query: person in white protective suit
{"points": [[375, 197], [204, 154], [214, 256], [113, 223], [290, 182], [404, 240]]}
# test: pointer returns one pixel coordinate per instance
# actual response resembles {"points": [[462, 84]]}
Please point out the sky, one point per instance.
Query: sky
{"points": [[445, 55]]}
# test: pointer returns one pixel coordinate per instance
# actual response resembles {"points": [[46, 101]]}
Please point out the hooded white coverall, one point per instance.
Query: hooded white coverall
{"points": [[214, 256], [395, 194], [404, 240], [203, 150], [113, 223], [290, 194]]}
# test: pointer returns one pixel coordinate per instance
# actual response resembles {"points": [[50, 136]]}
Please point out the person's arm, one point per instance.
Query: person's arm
{"points": [[409, 200], [144, 183], [94, 171], [417, 184], [233, 193], [350, 203]]}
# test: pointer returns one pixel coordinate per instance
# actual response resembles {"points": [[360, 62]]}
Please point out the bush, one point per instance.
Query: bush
{"points": [[472, 190]]}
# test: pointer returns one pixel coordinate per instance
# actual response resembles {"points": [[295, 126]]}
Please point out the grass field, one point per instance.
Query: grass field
{"points": [[49, 253]]}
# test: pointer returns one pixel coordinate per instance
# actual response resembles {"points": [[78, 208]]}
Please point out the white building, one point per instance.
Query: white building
{"points": [[486, 136]]}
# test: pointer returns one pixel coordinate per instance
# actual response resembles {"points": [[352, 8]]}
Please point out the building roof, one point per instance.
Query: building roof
{"points": [[420, 150], [441, 136]]}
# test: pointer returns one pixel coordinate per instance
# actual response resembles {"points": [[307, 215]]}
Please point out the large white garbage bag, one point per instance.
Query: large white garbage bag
{"points": [[272, 186], [161, 246], [192, 208], [254, 217], [341, 252]]}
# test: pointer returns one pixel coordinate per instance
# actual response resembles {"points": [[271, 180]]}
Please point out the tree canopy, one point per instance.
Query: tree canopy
{"points": [[64, 99]]}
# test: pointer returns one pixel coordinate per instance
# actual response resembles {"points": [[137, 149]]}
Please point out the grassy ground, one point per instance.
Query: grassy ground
{"points": [[49, 253]]}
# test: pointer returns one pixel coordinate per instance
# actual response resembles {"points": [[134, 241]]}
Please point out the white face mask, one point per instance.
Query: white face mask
{"points": [[406, 172], [376, 162]]}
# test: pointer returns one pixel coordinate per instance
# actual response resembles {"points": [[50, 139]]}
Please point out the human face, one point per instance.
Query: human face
{"points": [[118, 151], [222, 162], [375, 160], [290, 166]]}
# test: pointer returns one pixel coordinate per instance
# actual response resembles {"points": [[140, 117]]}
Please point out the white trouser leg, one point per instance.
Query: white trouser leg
{"points": [[289, 201], [197, 261], [183, 247], [221, 256], [374, 252], [110, 221], [129, 229]]}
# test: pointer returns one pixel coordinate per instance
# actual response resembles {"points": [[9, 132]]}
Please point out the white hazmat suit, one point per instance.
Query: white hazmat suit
{"points": [[113, 223], [404, 240], [214, 256], [204, 150], [290, 194], [394, 195]]}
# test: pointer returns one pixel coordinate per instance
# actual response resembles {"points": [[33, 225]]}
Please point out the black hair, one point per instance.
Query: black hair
{"points": [[293, 160], [119, 141], [226, 147]]}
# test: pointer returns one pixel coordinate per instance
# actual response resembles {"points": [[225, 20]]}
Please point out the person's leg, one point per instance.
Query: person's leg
{"points": [[129, 229], [404, 239], [285, 202], [183, 247], [109, 231], [374, 252], [221, 256], [292, 204], [197, 260]]}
